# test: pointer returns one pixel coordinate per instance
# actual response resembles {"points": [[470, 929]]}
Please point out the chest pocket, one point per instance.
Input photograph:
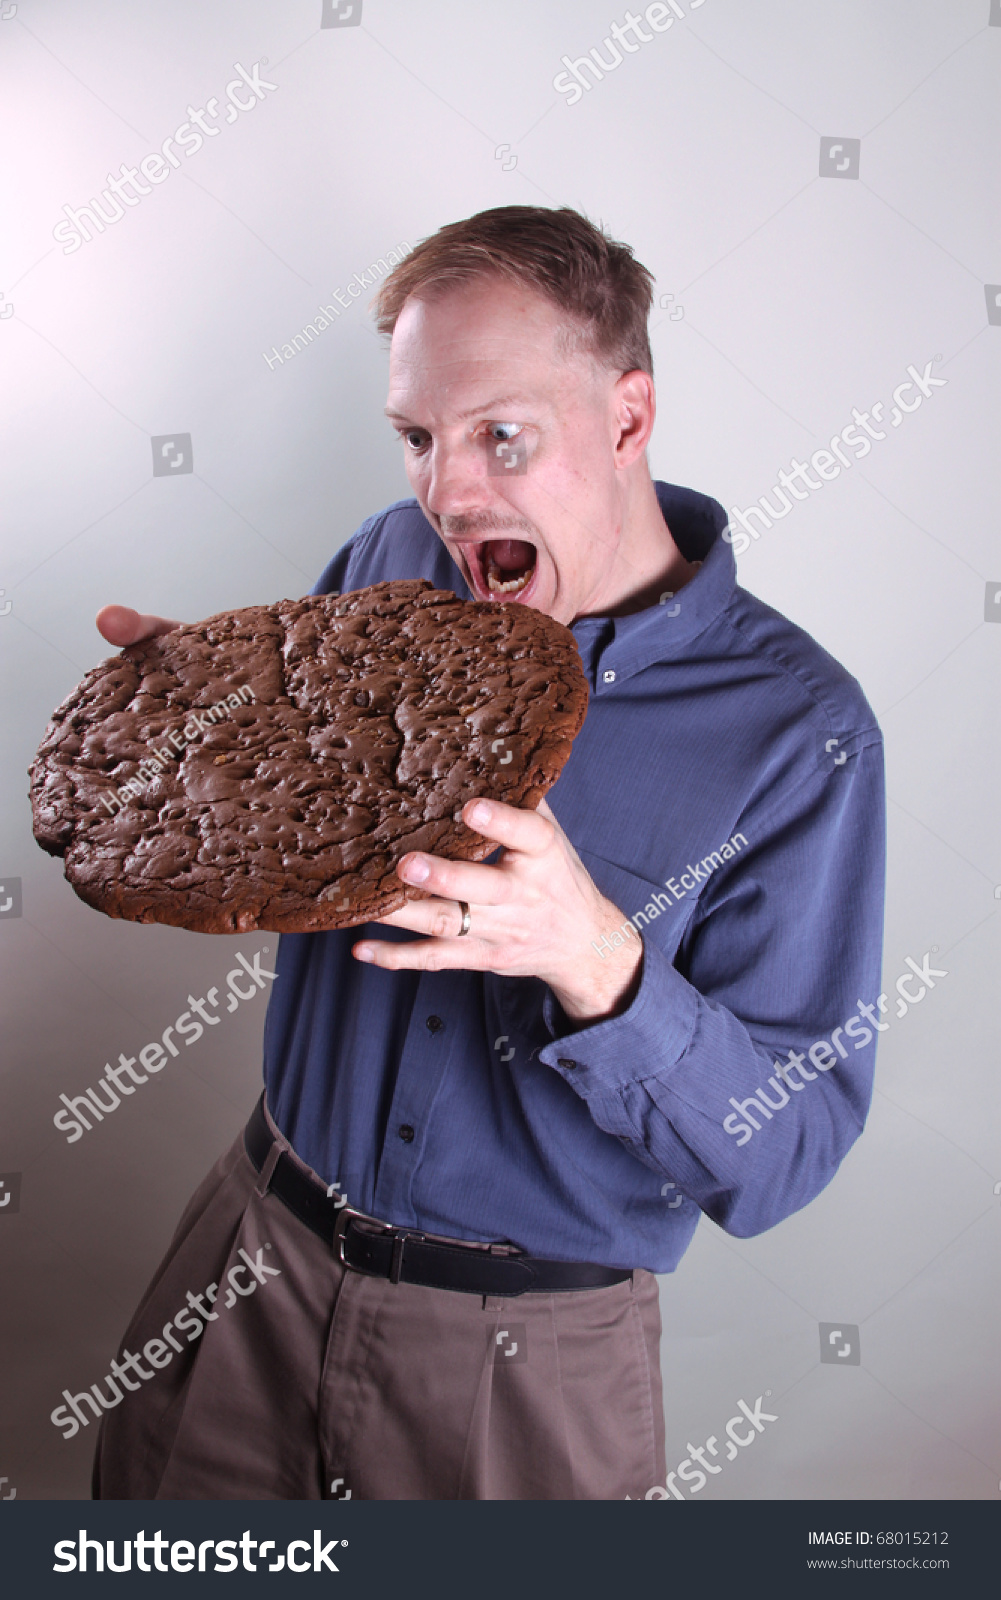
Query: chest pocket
{"points": [[659, 916]]}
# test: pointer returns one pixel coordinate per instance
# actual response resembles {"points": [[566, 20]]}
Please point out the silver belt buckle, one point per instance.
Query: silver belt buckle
{"points": [[345, 1215], [400, 1237]]}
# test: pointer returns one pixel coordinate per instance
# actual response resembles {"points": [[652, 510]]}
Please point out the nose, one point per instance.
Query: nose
{"points": [[455, 483]]}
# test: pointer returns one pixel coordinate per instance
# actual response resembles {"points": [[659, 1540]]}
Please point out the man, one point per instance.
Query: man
{"points": [[651, 1003]]}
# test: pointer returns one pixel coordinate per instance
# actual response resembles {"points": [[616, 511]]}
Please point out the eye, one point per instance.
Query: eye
{"points": [[504, 430], [414, 439]]}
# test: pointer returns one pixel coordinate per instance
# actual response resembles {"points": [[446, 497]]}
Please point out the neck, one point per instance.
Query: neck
{"points": [[647, 562]]}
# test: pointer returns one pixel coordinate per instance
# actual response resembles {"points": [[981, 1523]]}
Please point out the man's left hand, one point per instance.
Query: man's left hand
{"points": [[535, 913]]}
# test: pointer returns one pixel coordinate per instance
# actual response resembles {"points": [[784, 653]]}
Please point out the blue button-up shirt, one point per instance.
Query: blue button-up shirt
{"points": [[726, 792]]}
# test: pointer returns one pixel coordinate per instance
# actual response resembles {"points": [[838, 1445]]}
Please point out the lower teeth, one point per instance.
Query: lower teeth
{"points": [[512, 586]]}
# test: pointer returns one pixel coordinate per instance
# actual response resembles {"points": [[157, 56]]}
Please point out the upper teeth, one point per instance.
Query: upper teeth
{"points": [[512, 586]]}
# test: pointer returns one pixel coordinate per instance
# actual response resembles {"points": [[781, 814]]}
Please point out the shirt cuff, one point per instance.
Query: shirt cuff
{"points": [[647, 1040]]}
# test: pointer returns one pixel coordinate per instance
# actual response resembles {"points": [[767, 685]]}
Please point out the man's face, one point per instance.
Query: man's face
{"points": [[478, 366]]}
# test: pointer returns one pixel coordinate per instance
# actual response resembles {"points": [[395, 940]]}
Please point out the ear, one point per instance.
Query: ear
{"points": [[634, 411]]}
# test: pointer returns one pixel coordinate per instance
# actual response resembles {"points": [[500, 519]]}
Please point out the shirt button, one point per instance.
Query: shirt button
{"points": [[566, 1063], [434, 1024], [608, 676], [406, 1133]]}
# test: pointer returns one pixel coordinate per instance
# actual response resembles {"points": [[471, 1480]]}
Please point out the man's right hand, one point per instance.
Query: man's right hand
{"points": [[122, 626]]}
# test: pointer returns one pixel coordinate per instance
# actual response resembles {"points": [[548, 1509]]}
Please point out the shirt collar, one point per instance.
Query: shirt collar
{"points": [[625, 645]]}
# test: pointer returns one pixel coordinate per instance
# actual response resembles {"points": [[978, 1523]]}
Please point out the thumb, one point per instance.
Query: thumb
{"points": [[122, 626]]}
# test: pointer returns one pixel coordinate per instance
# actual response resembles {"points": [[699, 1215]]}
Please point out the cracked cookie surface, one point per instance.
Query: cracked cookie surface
{"points": [[328, 737]]}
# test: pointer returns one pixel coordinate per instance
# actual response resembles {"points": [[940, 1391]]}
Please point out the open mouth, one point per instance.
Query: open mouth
{"points": [[502, 567]]}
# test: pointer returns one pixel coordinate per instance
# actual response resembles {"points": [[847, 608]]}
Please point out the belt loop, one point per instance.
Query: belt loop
{"points": [[271, 1161]]}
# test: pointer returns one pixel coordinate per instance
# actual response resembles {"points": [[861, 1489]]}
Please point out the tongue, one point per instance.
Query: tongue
{"points": [[512, 555]]}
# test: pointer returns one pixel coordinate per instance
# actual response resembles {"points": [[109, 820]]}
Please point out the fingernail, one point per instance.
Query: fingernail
{"points": [[416, 870], [479, 814], [364, 952]]}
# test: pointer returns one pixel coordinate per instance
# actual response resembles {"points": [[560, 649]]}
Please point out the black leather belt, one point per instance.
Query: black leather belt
{"points": [[404, 1255]]}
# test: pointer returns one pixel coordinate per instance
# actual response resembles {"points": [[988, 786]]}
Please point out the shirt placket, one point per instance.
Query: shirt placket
{"points": [[423, 1061]]}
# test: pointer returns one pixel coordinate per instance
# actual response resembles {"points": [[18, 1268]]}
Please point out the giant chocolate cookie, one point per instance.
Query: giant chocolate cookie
{"points": [[269, 767]]}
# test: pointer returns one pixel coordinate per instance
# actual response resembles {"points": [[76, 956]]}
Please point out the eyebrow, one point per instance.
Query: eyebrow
{"points": [[490, 409]]}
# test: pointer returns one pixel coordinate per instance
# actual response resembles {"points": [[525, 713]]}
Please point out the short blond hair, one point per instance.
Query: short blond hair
{"points": [[604, 292]]}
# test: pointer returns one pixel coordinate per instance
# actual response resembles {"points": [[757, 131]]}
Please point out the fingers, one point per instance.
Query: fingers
{"points": [[422, 955], [122, 626], [454, 880], [528, 831], [438, 919], [517, 830]]}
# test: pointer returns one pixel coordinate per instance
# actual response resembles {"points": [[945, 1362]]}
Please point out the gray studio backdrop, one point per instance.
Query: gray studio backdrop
{"points": [[813, 187]]}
